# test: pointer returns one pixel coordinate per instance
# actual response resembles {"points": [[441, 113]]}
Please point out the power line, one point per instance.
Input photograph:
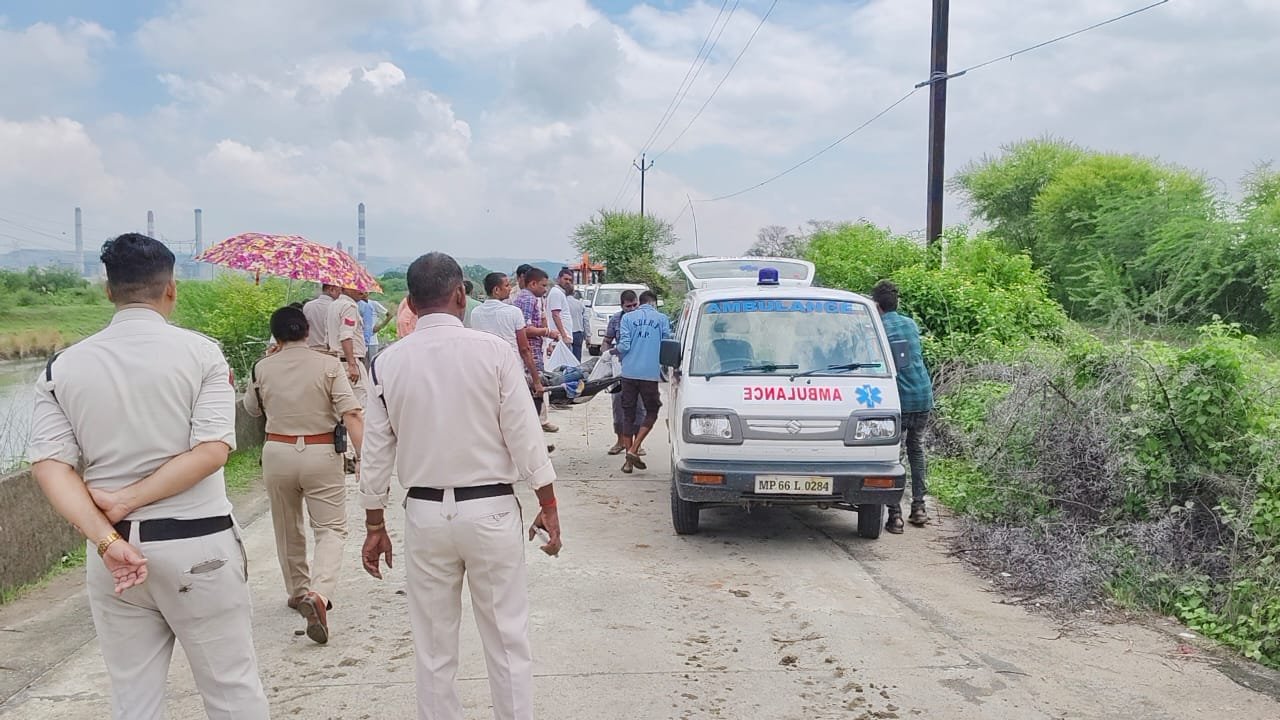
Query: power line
{"points": [[37, 231], [626, 182], [695, 69], [1037, 46], [904, 98], [711, 97], [824, 150]]}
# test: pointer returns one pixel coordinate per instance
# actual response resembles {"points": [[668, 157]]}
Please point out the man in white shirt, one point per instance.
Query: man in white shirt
{"points": [[450, 412], [317, 312], [579, 312], [496, 317], [559, 308], [146, 411]]}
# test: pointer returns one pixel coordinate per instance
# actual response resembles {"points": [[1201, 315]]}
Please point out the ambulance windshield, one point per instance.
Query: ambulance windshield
{"points": [[810, 334]]}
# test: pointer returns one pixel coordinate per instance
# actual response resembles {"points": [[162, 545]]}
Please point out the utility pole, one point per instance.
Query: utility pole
{"points": [[643, 168], [937, 120]]}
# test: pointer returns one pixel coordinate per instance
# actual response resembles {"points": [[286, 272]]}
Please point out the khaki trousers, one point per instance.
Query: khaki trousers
{"points": [[197, 593], [311, 476], [482, 539]]}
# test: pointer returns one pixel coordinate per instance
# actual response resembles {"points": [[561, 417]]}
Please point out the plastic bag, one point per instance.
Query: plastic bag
{"points": [[561, 357], [603, 369]]}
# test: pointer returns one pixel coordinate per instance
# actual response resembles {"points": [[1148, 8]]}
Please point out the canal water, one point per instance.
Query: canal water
{"points": [[17, 378]]}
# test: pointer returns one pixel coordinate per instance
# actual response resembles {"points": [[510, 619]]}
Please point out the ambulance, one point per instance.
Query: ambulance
{"points": [[781, 394]]}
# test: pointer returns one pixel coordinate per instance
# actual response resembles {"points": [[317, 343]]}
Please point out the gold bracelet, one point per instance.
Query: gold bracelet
{"points": [[105, 542], [373, 528]]}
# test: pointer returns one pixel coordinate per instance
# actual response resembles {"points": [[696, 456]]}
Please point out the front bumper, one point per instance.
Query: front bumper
{"points": [[740, 482]]}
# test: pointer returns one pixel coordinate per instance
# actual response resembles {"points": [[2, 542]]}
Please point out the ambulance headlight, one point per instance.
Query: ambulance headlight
{"points": [[872, 431], [712, 427]]}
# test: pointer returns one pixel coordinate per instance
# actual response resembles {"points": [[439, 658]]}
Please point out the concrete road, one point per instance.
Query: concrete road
{"points": [[776, 614]]}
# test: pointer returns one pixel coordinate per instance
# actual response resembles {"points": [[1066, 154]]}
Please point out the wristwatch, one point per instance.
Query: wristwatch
{"points": [[105, 542]]}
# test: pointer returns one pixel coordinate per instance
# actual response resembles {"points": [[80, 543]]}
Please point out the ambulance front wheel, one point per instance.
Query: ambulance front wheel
{"points": [[870, 520], [684, 514]]}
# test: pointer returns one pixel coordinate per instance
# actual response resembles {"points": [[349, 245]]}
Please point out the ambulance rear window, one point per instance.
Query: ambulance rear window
{"points": [[810, 333]]}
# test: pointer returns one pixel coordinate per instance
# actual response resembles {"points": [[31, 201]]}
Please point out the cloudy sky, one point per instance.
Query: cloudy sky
{"points": [[493, 127]]}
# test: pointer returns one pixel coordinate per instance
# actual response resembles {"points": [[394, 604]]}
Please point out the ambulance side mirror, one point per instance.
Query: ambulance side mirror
{"points": [[669, 354]]}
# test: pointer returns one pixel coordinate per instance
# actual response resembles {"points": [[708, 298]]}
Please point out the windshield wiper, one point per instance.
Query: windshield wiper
{"points": [[762, 367], [836, 368]]}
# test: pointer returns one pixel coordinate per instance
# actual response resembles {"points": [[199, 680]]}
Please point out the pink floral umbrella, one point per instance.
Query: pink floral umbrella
{"points": [[293, 257]]}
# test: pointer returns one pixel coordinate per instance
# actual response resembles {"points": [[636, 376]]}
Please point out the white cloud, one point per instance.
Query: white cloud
{"points": [[283, 115], [45, 63], [477, 28]]}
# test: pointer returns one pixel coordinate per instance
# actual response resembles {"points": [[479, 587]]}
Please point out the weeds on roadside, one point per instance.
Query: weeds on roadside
{"points": [[1140, 471]]}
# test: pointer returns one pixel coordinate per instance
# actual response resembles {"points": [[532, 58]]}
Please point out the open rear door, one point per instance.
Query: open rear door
{"points": [[744, 271]]}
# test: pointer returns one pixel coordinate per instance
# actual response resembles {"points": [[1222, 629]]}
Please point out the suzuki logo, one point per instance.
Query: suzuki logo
{"points": [[794, 427]]}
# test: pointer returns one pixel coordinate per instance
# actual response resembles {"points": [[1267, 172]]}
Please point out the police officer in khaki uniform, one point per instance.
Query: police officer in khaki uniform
{"points": [[317, 311], [345, 335], [147, 411], [303, 395]]}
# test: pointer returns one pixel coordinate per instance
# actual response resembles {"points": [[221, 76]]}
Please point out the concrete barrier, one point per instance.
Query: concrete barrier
{"points": [[33, 537], [250, 431]]}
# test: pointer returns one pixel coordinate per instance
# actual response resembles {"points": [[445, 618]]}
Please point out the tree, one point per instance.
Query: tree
{"points": [[630, 246], [1002, 189], [778, 241], [476, 273], [1098, 222]]}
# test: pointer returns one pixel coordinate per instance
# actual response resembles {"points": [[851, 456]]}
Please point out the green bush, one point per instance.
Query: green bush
{"points": [[1160, 460], [982, 303], [234, 311]]}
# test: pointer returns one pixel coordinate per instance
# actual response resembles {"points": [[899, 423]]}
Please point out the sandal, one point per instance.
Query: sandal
{"points": [[626, 466], [635, 460], [616, 450]]}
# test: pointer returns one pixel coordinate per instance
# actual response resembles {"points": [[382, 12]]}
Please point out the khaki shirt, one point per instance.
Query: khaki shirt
{"points": [[345, 323], [131, 398], [301, 391], [457, 414], [317, 312]]}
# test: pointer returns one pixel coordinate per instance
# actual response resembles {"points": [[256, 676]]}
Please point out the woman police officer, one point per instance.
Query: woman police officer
{"points": [[304, 394]]}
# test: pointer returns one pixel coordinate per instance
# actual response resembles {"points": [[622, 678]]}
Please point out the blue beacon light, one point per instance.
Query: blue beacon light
{"points": [[768, 276]]}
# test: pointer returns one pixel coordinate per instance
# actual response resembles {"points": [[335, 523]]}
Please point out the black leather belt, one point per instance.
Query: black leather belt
{"points": [[463, 493], [168, 529]]}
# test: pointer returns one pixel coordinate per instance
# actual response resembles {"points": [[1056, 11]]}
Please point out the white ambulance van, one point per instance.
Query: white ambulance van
{"points": [[781, 394]]}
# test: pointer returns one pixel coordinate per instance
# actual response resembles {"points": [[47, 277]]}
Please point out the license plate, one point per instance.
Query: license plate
{"points": [[794, 485]]}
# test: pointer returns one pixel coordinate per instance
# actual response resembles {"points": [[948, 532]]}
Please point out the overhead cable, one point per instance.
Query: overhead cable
{"points": [[727, 73]]}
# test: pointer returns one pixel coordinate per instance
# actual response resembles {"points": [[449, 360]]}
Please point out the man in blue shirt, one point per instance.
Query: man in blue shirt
{"points": [[629, 302], [374, 316], [915, 391], [640, 336]]}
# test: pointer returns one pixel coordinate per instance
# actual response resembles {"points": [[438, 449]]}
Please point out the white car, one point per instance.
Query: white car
{"points": [[782, 394], [602, 305]]}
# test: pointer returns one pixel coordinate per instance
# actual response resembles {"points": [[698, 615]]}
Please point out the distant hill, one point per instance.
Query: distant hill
{"points": [[379, 264]]}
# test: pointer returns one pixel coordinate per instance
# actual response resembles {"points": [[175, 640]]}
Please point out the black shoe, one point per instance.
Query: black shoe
{"points": [[918, 516], [894, 524]]}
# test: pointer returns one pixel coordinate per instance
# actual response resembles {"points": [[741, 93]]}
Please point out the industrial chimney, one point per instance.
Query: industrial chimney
{"points": [[360, 246], [151, 224], [199, 241], [79, 245]]}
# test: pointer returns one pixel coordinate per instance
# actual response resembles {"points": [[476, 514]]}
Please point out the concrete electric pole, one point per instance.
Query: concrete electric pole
{"points": [[937, 121], [643, 168]]}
